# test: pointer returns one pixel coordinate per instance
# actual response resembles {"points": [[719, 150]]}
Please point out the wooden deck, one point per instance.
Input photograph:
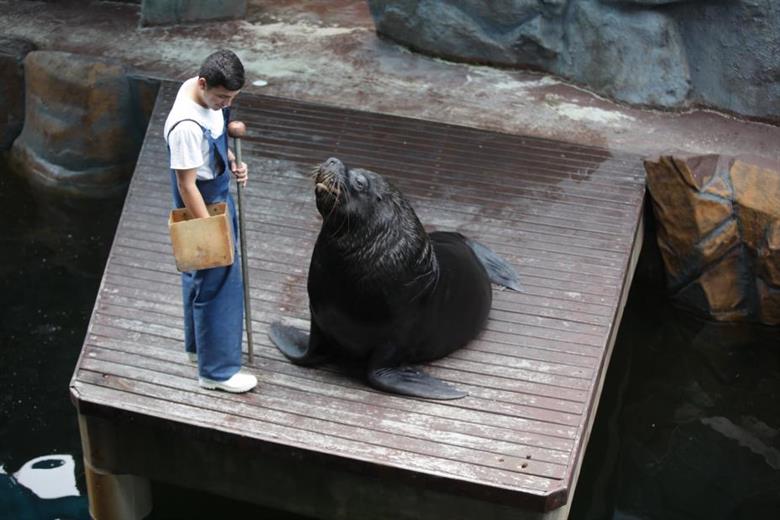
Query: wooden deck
{"points": [[320, 442]]}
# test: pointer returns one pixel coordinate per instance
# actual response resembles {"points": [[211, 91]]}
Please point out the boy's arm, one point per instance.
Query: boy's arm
{"points": [[190, 194]]}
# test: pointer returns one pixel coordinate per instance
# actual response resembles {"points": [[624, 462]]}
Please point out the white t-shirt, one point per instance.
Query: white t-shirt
{"points": [[189, 147]]}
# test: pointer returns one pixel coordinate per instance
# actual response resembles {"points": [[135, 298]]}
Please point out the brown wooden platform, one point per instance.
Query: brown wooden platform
{"points": [[317, 441]]}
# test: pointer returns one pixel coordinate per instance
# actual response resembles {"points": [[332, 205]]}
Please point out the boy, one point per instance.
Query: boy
{"points": [[196, 133]]}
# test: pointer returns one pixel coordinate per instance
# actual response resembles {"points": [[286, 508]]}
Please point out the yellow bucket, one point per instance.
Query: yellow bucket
{"points": [[201, 243]]}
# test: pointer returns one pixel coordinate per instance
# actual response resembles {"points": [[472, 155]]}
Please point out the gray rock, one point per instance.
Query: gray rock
{"points": [[650, 2], [12, 53], [168, 12], [441, 29], [633, 56], [734, 54], [664, 53], [506, 32]]}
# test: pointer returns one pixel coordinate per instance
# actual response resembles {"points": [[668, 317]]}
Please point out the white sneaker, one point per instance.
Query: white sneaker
{"points": [[192, 356], [240, 382]]}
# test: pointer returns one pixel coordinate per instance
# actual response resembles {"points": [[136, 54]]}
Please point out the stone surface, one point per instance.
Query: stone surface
{"points": [[328, 52], [769, 256], [507, 32], [734, 54], [757, 196], [12, 53], [676, 185], [718, 221], [168, 12], [645, 2], [725, 295], [718, 243], [85, 120], [768, 303], [666, 53], [636, 56]]}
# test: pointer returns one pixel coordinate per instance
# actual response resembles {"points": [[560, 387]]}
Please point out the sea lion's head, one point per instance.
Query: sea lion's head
{"points": [[351, 193], [365, 214]]}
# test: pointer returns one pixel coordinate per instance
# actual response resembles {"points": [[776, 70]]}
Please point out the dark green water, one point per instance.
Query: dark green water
{"points": [[688, 427], [54, 249], [53, 252]]}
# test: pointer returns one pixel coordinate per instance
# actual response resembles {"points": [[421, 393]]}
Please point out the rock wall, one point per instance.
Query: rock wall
{"points": [[718, 221], [85, 119], [167, 12], [12, 54], [665, 53]]}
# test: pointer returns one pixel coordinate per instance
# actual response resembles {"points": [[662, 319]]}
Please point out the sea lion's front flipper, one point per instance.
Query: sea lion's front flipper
{"points": [[299, 347], [409, 381], [499, 270]]}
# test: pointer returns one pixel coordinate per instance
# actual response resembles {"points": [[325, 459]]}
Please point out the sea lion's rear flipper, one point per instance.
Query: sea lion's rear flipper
{"points": [[499, 270], [299, 347], [409, 381]]}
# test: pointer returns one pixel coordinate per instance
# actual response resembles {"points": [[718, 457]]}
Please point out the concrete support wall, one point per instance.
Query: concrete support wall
{"points": [[84, 121]]}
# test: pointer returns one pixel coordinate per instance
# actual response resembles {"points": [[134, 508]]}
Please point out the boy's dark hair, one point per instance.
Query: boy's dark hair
{"points": [[223, 69]]}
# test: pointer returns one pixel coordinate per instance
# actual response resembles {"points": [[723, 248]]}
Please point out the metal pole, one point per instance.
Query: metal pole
{"points": [[237, 129]]}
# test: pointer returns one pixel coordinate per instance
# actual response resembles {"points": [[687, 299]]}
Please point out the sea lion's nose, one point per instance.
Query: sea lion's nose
{"points": [[332, 162]]}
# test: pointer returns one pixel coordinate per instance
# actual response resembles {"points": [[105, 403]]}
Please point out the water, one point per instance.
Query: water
{"points": [[689, 423], [54, 249], [688, 427], [53, 252]]}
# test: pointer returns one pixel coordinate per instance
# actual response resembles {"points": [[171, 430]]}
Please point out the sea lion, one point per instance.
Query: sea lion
{"points": [[384, 291]]}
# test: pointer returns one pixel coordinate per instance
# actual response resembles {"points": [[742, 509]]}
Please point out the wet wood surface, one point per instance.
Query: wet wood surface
{"points": [[566, 216]]}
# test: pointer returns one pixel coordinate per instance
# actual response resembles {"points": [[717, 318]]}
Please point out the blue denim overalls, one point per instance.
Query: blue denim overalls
{"points": [[213, 298]]}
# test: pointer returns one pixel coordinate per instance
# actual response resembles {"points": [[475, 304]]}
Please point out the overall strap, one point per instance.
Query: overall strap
{"points": [[168, 135], [222, 144]]}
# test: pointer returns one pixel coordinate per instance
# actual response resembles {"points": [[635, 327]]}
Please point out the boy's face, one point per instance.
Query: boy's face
{"points": [[215, 98]]}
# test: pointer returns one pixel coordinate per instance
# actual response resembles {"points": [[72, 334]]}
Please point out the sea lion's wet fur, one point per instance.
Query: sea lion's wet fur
{"points": [[374, 230], [382, 289]]}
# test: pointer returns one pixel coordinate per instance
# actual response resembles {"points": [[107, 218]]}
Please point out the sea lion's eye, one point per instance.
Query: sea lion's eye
{"points": [[360, 182]]}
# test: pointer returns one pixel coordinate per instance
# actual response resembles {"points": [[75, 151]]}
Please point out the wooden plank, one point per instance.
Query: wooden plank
{"points": [[293, 188], [324, 436], [528, 381], [262, 244], [583, 304], [275, 283], [169, 350], [301, 408], [277, 198], [487, 352], [264, 252], [580, 176], [319, 485], [493, 334], [458, 200], [453, 181], [489, 144]]}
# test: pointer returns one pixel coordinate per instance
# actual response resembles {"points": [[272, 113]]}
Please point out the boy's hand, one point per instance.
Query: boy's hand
{"points": [[241, 173]]}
